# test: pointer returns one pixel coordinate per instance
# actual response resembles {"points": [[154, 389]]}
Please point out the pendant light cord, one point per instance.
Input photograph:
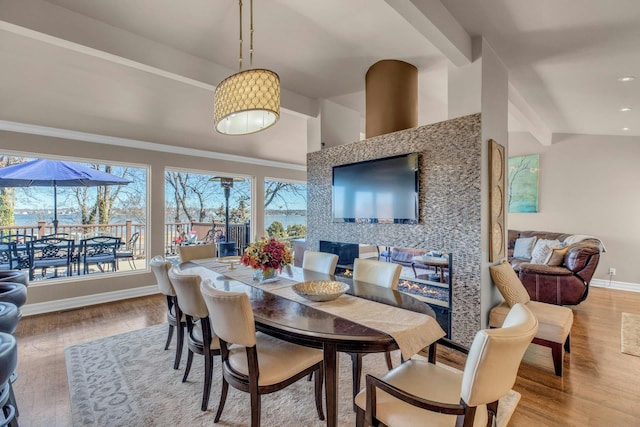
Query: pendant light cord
{"points": [[240, 7], [250, 33]]}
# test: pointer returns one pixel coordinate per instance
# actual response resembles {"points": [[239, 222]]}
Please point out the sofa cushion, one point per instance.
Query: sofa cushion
{"points": [[542, 249], [508, 284], [555, 258], [524, 247]]}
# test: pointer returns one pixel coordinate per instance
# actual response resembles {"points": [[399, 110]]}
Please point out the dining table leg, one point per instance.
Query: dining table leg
{"points": [[331, 383]]}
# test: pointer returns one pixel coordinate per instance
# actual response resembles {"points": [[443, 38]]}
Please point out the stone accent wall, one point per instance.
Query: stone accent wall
{"points": [[450, 204]]}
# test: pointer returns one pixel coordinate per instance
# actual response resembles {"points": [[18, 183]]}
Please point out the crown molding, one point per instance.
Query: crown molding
{"points": [[143, 145]]}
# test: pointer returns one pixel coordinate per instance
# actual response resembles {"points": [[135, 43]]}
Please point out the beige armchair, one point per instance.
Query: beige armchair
{"points": [[201, 339], [321, 262], [252, 362], [190, 252], [160, 268], [420, 393], [385, 274]]}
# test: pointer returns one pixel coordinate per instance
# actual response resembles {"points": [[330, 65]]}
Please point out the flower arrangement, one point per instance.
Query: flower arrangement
{"points": [[266, 253]]}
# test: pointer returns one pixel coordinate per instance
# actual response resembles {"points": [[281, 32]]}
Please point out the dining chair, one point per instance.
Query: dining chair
{"points": [[380, 273], [128, 252], [254, 362], [49, 252], [200, 336], [421, 393], [191, 252], [98, 250], [321, 262], [160, 268]]}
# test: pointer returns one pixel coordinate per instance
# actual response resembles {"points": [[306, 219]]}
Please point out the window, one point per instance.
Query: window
{"points": [[285, 209]]}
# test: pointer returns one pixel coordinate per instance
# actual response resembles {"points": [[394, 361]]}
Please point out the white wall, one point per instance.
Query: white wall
{"points": [[589, 184]]}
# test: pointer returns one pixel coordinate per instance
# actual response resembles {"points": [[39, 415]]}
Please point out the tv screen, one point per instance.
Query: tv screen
{"points": [[377, 191]]}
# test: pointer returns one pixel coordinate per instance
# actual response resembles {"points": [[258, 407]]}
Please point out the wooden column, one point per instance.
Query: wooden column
{"points": [[391, 97]]}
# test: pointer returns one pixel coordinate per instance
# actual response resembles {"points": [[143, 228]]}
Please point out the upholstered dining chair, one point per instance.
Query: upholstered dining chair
{"points": [[200, 337], [320, 262], [160, 268], [254, 362], [420, 393], [190, 252], [381, 273]]}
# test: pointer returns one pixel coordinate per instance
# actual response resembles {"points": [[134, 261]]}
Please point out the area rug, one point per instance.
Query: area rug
{"points": [[630, 334], [129, 380]]}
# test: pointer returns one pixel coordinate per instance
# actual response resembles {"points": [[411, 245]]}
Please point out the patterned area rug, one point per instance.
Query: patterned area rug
{"points": [[128, 380], [630, 334]]}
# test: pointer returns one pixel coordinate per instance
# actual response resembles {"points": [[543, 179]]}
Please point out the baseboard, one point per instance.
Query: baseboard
{"points": [[611, 284], [77, 302]]}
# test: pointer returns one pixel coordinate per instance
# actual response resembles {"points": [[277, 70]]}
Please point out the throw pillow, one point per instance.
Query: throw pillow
{"points": [[542, 249], [509, 285], [556, 256], [523, 247]]}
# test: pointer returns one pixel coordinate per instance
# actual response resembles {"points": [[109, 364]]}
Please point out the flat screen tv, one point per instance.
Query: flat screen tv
{"points": [[377, 191]]}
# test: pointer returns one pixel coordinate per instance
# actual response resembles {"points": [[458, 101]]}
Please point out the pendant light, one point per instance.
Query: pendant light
{"points": [[248, 101]]}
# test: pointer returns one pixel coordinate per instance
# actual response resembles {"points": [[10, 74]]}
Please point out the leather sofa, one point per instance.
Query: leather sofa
{"points": [[566, 284]]}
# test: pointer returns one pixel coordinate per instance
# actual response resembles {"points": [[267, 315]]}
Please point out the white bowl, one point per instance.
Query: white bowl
{"points": [[320, 290]]}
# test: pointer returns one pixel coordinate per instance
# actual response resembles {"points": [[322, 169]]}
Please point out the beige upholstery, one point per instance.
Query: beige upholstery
{"points": [[379, 273], [490, 372], [254, 362], [508, 283], [160, 268], [321, 262], [187, 253], [187, 287], [554, 331]]}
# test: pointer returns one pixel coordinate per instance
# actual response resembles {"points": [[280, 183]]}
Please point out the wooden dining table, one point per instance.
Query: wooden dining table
{"points": [[310, 324]]}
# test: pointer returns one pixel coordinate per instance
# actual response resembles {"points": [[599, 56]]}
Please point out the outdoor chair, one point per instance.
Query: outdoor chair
{"points": [[98, 250], [421, 393], [380, 273], [254, 362], [128, 252], [49, 252], [20, 257], [8, 256], [200, 336]]}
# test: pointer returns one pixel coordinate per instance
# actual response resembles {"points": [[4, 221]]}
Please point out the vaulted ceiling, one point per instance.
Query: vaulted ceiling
{"points": [[146, 69]]}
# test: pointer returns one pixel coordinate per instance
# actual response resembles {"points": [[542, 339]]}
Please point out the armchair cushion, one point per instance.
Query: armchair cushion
{"points": [[508, 284], [542, 249], [556, 256], [554, 321]]}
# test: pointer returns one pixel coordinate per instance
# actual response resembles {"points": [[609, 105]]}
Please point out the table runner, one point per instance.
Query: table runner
{"points": [[412, 331]]}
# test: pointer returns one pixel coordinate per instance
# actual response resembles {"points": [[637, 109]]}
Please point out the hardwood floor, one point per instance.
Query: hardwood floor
{"points": [[600, 387]]}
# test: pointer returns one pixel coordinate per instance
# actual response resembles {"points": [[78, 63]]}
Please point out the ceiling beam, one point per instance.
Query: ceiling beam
{"points": [[528, 118], [438, 26]]}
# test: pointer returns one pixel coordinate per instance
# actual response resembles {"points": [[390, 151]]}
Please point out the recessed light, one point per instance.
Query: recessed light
{"points": [[625, 109], [625, 129], [626, 79]]}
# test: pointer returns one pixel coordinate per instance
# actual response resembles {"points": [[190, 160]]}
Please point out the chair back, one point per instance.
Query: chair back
{"points": [[8, 255], [230, 314], [379, 273], [99, 246], [321, 262], [187, 253], [50, 248], [187, 287], [131, 243], [160, 268], [495, 355]]}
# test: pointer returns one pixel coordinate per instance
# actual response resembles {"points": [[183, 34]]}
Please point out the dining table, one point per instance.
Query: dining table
{"points": [[366, 319]]}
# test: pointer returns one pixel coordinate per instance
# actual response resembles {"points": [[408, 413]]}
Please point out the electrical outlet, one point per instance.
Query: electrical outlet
{"points": [[612, 271]]}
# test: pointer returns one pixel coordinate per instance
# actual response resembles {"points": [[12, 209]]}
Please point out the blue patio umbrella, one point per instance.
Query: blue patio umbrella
{"points": [[55, 173]]}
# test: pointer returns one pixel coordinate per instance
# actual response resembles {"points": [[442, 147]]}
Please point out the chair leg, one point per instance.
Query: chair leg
{"points": [[179, 343], [169, 336], [223, 399], [556, 354], [359, 417], [567, 344], [255, 408], [387, 356], [208, 375], [318, 392], [188, 368]]}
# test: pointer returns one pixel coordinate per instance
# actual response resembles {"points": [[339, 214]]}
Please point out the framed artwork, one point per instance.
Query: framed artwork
{"points": [[522, 191], [497, 239]]}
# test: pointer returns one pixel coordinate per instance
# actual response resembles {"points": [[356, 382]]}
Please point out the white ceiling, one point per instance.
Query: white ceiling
{"points": [[146, 69]]}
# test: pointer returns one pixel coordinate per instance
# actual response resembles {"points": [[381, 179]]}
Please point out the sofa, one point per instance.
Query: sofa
{"points": [[565, 281]]}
